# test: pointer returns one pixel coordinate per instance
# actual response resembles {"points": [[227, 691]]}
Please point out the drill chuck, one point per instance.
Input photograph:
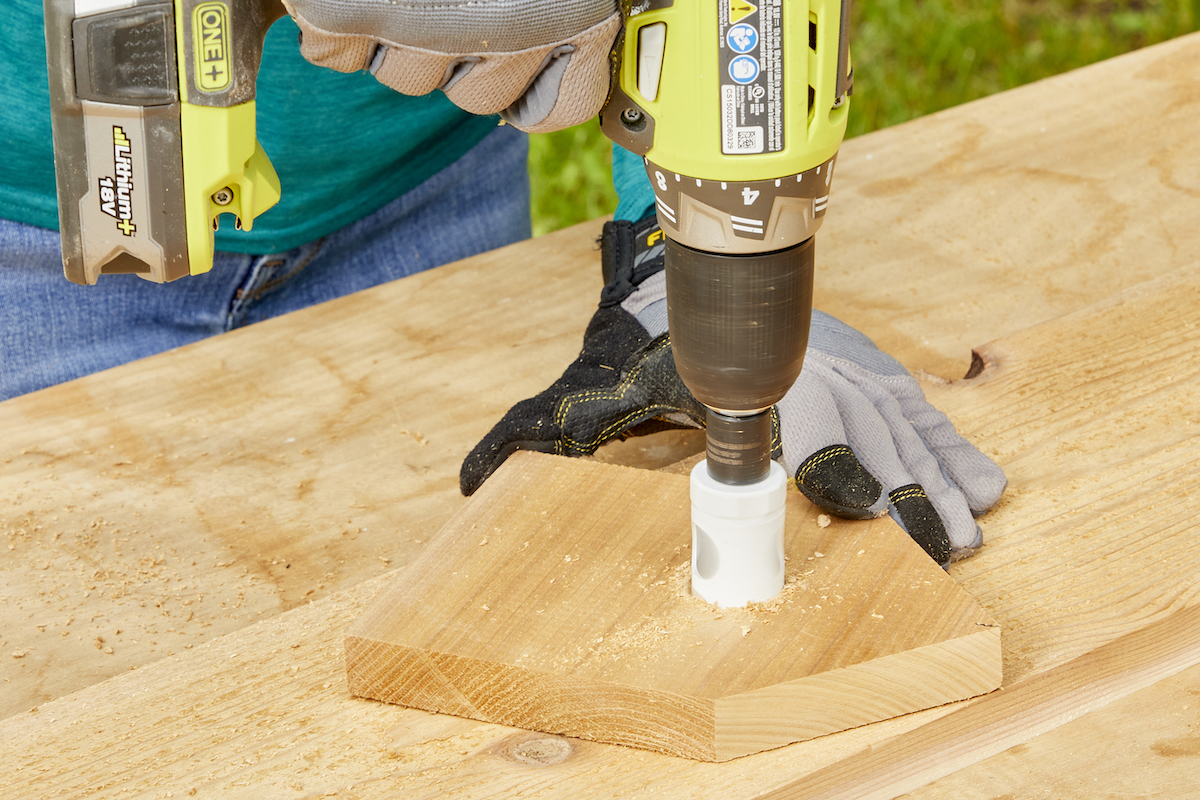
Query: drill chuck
{"points": [[739, 323], [739, 329]]}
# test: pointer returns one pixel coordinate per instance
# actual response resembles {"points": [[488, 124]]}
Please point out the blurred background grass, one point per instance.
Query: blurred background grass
{"points": [[911, 57]]}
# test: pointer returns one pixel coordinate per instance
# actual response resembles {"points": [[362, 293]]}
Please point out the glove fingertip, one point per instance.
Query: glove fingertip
{"points": [[476, 468], [959, 553], [407, 71], [984, 489], [487, 457], [339, 53], [472, 475], [571, 87], [835, 480], [920, 520]]}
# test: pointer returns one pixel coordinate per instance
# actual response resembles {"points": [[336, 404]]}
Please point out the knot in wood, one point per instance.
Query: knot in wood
{"points": [[540, 750]]}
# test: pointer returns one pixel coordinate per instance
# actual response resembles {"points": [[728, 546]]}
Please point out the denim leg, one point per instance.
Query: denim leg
{"points": [[479, 203], [52, 330]]}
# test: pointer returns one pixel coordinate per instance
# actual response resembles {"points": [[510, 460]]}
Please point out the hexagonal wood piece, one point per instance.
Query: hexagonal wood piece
{"points": [[558, 600]]}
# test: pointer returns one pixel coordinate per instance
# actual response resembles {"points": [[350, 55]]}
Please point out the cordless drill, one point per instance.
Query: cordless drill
{"points": [[738, 108]]}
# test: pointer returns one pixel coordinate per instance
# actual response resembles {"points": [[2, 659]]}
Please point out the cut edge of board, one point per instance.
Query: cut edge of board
{"points": [[793, 712], [894, 685], [569, 706]]}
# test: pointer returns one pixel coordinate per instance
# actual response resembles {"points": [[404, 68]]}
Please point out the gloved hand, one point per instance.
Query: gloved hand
{"points": [[860, 440], [542, 66], [855, 432]]}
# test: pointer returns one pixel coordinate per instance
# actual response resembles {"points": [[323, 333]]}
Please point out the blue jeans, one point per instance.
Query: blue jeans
{"points": [[52, 330]]}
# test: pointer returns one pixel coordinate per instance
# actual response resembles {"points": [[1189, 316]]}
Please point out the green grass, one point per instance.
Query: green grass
{"points": [[570, 177], [911, 57]]}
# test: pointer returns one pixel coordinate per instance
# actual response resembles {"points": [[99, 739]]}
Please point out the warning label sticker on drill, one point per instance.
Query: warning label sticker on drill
{"points": [[751, 59]]}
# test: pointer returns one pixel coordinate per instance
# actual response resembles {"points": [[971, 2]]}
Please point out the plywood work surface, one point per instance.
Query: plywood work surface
{"points": [[192, 505], [559, 600], [155, 506], [1145, 745], [149, 508], [1094, 574]]}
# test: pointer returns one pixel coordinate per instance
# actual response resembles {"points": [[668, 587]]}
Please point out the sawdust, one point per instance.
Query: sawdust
{"points": [[680, 613], [793, 585], [78, 582], [415, 436]]}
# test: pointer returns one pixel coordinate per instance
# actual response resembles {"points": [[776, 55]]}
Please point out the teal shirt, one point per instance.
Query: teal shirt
{"points": [[635, 196], [343, 145]]}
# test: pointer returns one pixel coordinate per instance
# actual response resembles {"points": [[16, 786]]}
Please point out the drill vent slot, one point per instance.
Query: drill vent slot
{"points": [[812, 64]]}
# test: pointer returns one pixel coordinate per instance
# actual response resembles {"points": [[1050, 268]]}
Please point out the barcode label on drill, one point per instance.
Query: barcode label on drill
{"points": [[751, 59]]}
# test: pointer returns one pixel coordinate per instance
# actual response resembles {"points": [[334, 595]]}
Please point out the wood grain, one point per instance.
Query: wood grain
{"points": [[1103, 465], [1143, 745], [160, 504], [148, 508], [986, 219], [265, 710], [558, 599], [1001, 720], [955, 229]]}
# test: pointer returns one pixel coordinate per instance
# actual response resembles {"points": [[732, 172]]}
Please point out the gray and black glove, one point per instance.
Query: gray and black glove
{"points": [[624, 378], [855, 432], [860, 440], [542, 66]]}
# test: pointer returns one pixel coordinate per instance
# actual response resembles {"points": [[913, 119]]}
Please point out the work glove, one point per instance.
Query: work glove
{"points": [[542, 66], [855, 432]]}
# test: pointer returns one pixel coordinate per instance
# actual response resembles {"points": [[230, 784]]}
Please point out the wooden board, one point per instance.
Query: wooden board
{"points": [[265, 711], [149, 508], [559, 600], [994, 216], [1003, 719], [1110, 427]]}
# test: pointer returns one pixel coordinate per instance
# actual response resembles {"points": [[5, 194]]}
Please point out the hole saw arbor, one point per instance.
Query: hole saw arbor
{"points": [[558, 600]]}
